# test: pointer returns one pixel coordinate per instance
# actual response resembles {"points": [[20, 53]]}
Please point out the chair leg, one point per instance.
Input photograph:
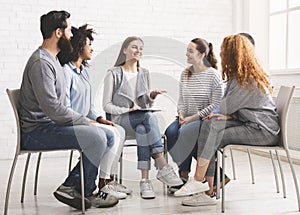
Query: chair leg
{"points": [[25, 177], [12, 170], [232, 164], [164, 137], [165, 142], [121, 168], [82, 184], [70, 161], [294, 177], [223, 183], [37, 173], [274, 170], [281, 174], [218, 174], [251, 166]]}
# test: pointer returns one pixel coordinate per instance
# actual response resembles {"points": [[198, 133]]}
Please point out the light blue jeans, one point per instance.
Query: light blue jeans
{"points": [[144, 127], [91, 140]]}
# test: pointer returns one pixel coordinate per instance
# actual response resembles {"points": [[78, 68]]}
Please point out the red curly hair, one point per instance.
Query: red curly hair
{"points": [[239, 62]]}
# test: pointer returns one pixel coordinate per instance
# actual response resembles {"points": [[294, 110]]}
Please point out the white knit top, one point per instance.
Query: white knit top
{"points": [[201, 93]]}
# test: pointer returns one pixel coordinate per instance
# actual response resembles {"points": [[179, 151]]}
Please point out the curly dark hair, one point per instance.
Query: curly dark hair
{"points": [[78, 42]]}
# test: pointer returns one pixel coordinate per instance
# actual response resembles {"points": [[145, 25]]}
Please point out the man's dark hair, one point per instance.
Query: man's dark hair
{"points": [[249, 37], [52, 21]]}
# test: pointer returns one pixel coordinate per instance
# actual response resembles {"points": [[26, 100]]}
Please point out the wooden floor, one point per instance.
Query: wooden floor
{"points": [[242, 197]]}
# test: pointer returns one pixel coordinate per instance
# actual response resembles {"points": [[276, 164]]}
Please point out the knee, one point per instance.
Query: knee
{"points": [[140, 129], [121, 132], [100, 138]]}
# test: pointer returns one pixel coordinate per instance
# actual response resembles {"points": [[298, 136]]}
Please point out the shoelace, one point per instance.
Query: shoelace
{"points": [[147, 185], [171, 172], [102, 195]]}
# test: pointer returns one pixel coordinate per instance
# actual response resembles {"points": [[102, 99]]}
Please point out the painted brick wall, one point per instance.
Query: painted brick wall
{"points": [[158, 21]]}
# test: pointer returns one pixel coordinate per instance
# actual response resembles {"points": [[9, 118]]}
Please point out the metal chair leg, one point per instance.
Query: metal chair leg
{"points": [[70, 161], [218, 173], [82, 184], [24, 177], [294, 177], [251, 166], [121, 168], [274, 170], [11, 175], [164, 137], [37, 173], [223, 183], [232, 164], [281, 174]]}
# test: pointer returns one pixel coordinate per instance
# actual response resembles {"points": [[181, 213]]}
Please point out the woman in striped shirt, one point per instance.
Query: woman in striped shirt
{"points": [[200, 92]]}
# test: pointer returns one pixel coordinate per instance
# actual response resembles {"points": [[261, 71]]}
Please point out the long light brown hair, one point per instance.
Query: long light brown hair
{"points": [[121, 60], [239, 62]]}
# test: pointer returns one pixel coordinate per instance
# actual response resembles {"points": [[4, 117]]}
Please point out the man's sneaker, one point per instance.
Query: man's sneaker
{"points": [[168, 176], [146, 189], [112, 191], [120, 187], [103, 200], [191, 187], [199, 199], [173, 189], [71, 197]]}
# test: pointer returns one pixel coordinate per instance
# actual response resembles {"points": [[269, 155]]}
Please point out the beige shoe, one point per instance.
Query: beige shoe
{"points": [[146, 189], [191, 187], [199, 199]]}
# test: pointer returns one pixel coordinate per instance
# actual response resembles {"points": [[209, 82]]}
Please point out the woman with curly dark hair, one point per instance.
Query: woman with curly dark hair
{"points": [[79, 98], [248, 114]]}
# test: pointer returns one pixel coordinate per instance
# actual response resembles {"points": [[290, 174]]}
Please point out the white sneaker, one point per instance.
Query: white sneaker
{"points": [[168, 176], [199, 199], [111, 190], [191, 187], [146, 189], [120, 187]]}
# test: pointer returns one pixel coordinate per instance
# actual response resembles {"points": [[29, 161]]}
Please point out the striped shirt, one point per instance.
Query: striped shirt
{"points": [[201, 93]]}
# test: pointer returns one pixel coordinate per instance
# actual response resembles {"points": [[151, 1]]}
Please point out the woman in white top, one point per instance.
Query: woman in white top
{"points": [[200, 92], [126, 92]]}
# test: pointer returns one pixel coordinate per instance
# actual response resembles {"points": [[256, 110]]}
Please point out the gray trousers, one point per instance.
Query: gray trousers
{"points": [[215, 134]]}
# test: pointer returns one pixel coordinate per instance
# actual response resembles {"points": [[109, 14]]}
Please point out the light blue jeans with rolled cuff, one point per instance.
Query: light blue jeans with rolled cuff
{"points": [[144, 127]]}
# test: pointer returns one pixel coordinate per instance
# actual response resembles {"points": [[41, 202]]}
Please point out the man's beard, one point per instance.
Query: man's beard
{"points": [[64, 45]]}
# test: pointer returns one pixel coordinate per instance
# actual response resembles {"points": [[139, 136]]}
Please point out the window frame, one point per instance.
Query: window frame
{"points": [[286, 11]]}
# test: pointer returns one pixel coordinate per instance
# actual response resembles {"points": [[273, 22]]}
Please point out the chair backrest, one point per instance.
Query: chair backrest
{"points": [[13, 96], [283, 102]]}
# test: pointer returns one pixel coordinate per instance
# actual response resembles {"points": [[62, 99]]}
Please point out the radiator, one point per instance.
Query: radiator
{"points": [[293, 130]]}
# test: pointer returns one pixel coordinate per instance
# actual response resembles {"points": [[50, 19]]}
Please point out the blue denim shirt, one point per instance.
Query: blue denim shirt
{"points": [[79, 91]]}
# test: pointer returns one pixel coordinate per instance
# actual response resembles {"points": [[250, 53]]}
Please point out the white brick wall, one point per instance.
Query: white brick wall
{"points": [[113, 20]]}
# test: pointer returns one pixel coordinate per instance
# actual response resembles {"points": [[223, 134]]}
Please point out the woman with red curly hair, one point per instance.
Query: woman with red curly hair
{"points": [[248, 114]]}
